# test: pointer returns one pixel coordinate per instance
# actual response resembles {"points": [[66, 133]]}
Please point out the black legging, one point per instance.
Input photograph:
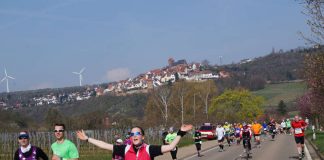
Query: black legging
{"points": [[174, 153], [248, 141]]}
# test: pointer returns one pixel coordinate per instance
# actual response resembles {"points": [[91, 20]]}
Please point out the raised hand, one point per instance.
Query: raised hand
{"points": [[81, 135], [186, 127]]}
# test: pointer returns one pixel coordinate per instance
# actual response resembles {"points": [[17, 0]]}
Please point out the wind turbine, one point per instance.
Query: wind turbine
{"points": [[80, 75], [7, 77]]}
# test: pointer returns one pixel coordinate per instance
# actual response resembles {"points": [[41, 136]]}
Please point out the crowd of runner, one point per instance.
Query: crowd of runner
{"points": [[237, 133], [134, 146]]}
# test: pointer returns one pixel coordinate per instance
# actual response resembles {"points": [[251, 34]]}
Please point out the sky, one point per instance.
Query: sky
{"points": [[43, 42]]}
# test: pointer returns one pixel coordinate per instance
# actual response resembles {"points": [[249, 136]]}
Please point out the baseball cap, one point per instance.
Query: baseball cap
{"points": [[119, 141], [23, 134]]}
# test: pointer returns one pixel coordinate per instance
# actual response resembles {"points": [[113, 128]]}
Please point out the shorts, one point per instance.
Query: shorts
{"points": [[256, 135], [198, 146], [299, 140], [221, 140], [237, 135]]}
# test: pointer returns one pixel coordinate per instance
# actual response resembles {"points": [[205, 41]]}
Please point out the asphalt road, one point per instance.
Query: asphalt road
{"points": [[282, 148]]}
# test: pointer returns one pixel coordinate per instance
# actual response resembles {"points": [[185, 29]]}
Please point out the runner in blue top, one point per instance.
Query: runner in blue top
{"points": [[264, 126], [237, 134]]}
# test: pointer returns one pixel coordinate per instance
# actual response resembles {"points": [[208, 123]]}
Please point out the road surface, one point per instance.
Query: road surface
{"points": [[282, 148]]}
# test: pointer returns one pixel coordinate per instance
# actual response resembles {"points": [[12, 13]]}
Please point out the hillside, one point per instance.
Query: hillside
{"points": [[274, 67], [88, 113], [288, 92], [252, 74]]}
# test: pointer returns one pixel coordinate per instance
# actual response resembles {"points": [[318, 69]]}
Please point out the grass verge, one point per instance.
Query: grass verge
{"points": [[319, 142]]}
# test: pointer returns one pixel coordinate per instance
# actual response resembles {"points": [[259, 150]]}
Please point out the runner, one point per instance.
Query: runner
{"points": [[288, 126], [63, 148], [227, 128], [246, 135], [169, 139], [232, 133], [164, 134], [265, 129], [237, 134], [117, 157], [272, 129], [127, 140], [283, 126], [220, 132], [298, 127], [27, 151], [257, 128], [138, 149], [197, 138]]}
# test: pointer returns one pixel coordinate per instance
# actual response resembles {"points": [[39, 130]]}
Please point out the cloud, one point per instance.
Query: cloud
{"points": [[41, 86], [117, 74]]}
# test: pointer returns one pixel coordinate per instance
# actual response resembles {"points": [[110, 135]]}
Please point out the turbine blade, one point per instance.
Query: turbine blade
{"points": [[75, 72], [6, 72], [3, 79], [10, 77], [82, 69]]}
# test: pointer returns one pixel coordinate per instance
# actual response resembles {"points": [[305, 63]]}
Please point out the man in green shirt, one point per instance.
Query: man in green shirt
{"points": [[168, 139], [63, 149], [288, 126]]}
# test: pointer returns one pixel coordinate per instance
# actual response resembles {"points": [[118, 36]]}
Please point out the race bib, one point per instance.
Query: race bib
{"points": [[298, 131]]}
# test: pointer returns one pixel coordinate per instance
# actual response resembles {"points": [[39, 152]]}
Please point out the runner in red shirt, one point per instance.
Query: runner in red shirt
{"points": [[298, 126]]}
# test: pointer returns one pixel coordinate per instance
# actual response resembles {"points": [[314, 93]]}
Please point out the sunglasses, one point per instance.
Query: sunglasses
{"points": [[61, 130], [23, 138], [135, 134]]}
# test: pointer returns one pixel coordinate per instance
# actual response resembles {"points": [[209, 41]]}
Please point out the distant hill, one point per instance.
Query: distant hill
{"points": [[255, 73], [259, 74], [275, 67]]}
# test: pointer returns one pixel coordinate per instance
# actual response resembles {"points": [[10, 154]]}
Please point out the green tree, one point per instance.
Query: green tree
{"points": [[282, 108], [237, 105]]}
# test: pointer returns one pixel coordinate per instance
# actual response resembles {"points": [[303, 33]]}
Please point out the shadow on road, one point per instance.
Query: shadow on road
{"points": [[294, 157]]}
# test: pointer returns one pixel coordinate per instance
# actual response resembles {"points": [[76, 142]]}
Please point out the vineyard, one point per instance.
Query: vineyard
{"points": [[9, 142]]}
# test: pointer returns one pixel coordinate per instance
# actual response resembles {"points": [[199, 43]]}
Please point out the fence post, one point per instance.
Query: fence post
{"points": [[314, 133]]}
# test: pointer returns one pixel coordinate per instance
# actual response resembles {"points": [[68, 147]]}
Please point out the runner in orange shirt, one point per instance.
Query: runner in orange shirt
{"points": [[256, 129]]}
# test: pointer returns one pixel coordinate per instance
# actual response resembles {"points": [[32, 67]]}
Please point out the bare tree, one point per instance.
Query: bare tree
{"points": [[313, 9], [205, 90], [181, 90], [162, 95]]}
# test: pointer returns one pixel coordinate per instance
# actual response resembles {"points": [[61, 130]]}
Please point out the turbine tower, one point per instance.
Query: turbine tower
{"points": [[7, 77], [80, 75]]}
